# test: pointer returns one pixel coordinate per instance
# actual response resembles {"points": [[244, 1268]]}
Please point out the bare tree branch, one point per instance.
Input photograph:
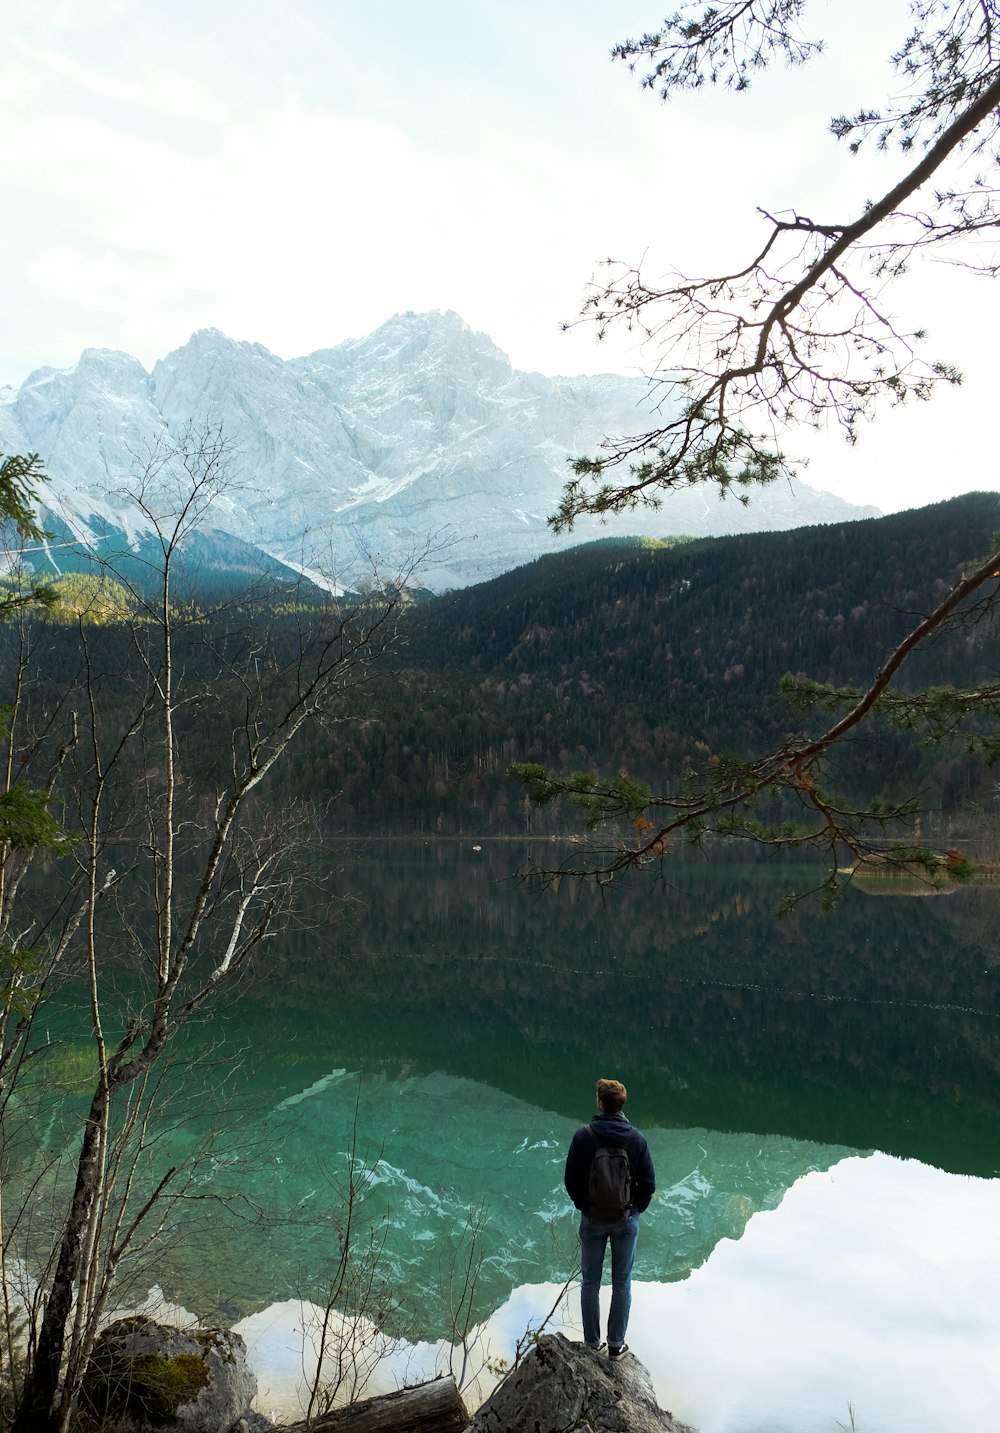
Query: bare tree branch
{"points": [[801, 332]]}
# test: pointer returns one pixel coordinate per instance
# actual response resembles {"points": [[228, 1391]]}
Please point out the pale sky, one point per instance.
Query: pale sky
{"points": [[294, 173]]}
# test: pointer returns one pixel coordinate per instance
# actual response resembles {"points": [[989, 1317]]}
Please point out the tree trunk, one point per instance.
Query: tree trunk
{"points": [[434, 1407], [38, 1411]]}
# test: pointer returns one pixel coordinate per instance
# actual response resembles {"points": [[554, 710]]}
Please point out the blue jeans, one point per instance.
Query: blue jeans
{"points": [[594, 1237]]}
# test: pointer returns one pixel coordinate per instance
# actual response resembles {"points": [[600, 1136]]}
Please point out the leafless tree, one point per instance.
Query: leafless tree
{"points": [[178, 870]]}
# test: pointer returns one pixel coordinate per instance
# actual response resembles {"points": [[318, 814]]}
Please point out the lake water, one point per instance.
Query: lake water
{"points": [[819, 1093]]}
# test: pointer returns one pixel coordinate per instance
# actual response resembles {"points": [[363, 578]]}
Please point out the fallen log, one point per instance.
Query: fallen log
{"points": [[434, 1407]]}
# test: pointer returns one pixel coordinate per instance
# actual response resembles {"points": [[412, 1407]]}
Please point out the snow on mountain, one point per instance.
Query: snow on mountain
{"points": [[419, 434], [94, 423]]}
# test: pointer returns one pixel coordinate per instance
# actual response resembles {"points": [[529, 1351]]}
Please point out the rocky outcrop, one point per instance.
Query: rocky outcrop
{"points": [[561, 1387], [565, 1387], [144, 1377], [147, 1378]]}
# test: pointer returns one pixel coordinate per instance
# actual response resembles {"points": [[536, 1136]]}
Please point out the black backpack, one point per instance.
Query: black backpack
{"points": [[609, 1189]]}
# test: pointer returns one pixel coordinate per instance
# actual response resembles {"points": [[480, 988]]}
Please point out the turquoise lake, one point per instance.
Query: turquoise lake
{"points": [[450, 1023]]}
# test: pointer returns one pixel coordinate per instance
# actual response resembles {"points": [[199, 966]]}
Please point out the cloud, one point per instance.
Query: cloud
{"points": [[296, 180]]}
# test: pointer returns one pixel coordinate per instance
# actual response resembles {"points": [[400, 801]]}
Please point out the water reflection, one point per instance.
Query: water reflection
{"points": [[465, 1019], [871, 1290], [874, 1026]]}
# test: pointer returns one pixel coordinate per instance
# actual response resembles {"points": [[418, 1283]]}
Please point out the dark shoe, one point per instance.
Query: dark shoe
{"points": [[614, 1352], [597, 1347]]}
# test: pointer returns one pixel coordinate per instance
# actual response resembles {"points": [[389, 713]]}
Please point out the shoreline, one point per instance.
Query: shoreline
{"points": [[871, 1286]]}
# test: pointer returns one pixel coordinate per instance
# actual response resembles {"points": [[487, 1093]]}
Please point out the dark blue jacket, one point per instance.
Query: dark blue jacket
{"points": [[610, 1129]]}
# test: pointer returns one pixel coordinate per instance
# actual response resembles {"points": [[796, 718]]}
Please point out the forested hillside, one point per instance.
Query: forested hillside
{"points": [[642, 655], [632, 655]]}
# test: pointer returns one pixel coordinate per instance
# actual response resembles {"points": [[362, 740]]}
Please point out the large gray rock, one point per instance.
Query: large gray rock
{"points": [[144, 1377], [565, 1387]]}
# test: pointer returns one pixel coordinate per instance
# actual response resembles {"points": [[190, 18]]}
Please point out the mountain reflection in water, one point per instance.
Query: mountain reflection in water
{"points": [[463, 1019], [874, 1026]]}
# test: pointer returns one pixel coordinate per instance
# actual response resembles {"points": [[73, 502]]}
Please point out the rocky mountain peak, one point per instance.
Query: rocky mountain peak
{"points": [[414, 349], [419, 432]]}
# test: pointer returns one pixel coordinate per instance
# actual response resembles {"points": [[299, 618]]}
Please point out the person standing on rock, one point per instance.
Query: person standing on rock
{"points": [[610, 1179]]}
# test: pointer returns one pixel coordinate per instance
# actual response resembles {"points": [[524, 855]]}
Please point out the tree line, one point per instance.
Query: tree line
{"points": [[620, 655]]}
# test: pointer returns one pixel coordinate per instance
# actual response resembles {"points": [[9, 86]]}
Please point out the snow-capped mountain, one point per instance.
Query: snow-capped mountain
{"points": [[419, 435]]}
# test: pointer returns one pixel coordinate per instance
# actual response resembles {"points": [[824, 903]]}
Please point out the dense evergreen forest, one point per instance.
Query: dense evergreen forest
{"points": [[647, 656], [636, 655]]}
